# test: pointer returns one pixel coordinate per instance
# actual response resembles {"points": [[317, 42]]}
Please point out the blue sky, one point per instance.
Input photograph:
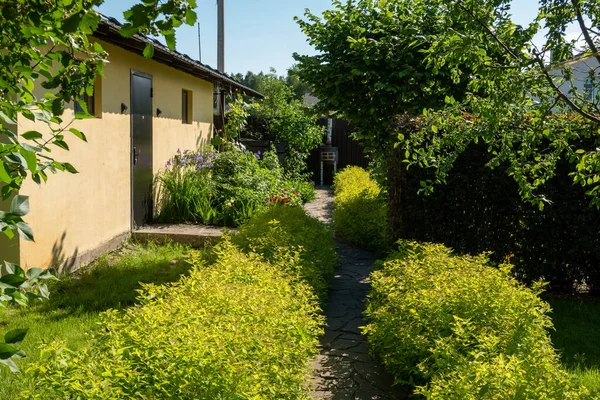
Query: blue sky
{"points": [[262, 33]]}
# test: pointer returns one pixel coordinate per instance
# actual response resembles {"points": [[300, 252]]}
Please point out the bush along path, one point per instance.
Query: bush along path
{"points": [[344, 369]]}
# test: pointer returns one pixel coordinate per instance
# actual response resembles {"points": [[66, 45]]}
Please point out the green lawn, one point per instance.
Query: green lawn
{"points": [[577, 338], [71, 314]]}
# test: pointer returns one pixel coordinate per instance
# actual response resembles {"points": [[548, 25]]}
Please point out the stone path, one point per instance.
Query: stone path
{"points": [[344, 369]]}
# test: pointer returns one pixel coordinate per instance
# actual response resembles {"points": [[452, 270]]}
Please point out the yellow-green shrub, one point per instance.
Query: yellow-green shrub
{"points": [[288, 231], [238, 329], [462, 329], [360, 211]]}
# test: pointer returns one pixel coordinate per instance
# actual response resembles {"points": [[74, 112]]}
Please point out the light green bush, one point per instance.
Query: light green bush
{"points": [[360, 210], [462, 329], [238, 329], [284, 231]]}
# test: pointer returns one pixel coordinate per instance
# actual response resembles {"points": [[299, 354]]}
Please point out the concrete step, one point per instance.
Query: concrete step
{"points": [[193, 235]]}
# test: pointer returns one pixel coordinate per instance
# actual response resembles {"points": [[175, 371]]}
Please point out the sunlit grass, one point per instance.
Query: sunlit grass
{"points": [[72, 313], [577, 338]]}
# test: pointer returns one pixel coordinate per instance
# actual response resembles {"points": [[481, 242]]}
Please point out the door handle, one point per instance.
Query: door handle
{"points": [[136, 154]]}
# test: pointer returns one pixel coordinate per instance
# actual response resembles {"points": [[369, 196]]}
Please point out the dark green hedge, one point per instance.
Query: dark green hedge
{"points": [[479, 209]]}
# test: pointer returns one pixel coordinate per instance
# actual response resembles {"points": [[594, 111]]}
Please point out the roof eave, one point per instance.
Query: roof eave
{"points": [[136, 44]]}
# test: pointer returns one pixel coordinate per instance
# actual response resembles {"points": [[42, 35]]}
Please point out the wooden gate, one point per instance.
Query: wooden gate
{"points": [[350, 152]]}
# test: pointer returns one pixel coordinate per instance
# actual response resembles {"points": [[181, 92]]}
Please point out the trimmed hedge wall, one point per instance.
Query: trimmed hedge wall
{"points": [[462, 329], [480, 209], [360, 210]]}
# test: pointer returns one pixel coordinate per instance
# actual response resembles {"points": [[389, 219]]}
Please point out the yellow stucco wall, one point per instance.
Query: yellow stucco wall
{"points": [[73, 215]]}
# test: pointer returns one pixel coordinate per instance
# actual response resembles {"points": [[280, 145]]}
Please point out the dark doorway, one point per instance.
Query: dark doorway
{"points": [[141, 144], [350, 152]]}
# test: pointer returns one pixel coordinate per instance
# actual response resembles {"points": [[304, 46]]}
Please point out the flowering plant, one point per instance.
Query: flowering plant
{"points": [[198, 160], [285, 197]]}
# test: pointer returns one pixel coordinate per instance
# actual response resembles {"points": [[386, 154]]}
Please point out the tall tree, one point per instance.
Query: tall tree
{"points": [[371, 66]]}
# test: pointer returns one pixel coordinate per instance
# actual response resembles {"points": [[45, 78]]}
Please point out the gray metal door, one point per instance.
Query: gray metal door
{"points": [[141, 145]]}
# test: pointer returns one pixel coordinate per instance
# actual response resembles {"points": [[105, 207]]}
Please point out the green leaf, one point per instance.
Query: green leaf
{"points": [[44, 292], [7, 351], [7, 119], [13, 280], [70, 168], [170, 39], [20, 205], [128, 30], [25, 231], [4, 176], [10, 364], [31, 159], [149, 51], [62, 144], [32, 135], [13, 268], [33, 273], [71, 24], [190, 17], [9, 233], [15, 336], [78, 133]]}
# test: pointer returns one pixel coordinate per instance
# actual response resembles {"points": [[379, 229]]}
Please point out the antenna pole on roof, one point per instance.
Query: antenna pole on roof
{"points": [[199, 43], [221, 36], [221, 58]]}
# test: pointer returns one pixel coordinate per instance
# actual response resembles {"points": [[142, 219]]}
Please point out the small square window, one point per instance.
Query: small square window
{"points": [[89, 102], [186, 106], [588, 91], [93, 103]]}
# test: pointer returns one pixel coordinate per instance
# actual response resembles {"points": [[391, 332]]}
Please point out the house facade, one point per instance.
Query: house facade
{"points": [[145, 110], [581, 83]]}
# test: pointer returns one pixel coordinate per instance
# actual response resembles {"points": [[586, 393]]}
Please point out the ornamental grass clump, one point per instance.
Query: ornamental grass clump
{"points": [[241, 328], [461, 329], [283, 231], [360, 210], [186, 189]]}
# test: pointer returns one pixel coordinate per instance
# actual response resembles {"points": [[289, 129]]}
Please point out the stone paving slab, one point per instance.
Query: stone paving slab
{"points": [[193, 235], [345, 369]]}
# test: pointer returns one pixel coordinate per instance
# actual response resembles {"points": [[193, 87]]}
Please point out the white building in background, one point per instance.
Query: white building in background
{"points": [[582, 69]]}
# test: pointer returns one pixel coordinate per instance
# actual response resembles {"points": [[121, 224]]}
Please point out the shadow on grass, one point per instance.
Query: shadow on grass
{"points": [[113, 281], [577, 323]]}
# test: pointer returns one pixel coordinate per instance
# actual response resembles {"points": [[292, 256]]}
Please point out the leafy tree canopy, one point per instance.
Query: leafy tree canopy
{"points": [[259, 81], [482, 75]]}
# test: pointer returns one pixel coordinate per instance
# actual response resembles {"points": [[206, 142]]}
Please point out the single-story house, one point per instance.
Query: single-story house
{"points": [[145, 110]]}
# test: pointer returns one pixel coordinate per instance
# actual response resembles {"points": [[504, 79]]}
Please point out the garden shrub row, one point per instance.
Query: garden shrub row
{"points": [[360, 210], [289, 237], [243, 325], [453, 326], [224, 188], [241, 328], [460, 329]]}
